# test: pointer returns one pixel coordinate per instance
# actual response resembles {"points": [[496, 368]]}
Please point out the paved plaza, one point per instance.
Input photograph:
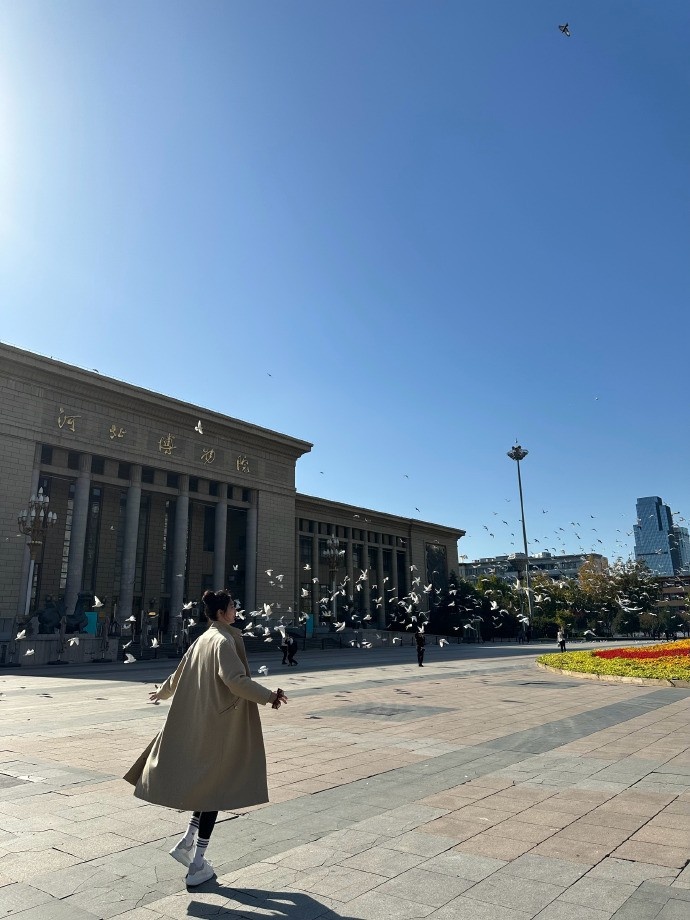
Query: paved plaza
{"points": [[476, 787]]}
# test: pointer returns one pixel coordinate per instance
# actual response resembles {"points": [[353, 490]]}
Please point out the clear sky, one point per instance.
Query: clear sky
{"points": [[409, 232]]}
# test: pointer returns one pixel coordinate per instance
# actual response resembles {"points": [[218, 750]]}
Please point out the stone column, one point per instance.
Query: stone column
{"points": [[24, 587], [80, 515], [180, 548], [315, 587], [365, 593], [349, 585], [220, 538], [129, 545], [380, 612], [249, 601]]}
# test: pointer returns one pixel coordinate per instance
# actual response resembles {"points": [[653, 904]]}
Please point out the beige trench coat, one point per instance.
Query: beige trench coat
{"points": [[209, 755]]}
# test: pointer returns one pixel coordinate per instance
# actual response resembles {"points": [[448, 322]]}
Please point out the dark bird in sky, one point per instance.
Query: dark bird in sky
{"points": [[565, 30]]}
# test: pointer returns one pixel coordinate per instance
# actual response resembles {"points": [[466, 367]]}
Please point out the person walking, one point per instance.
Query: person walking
{"points": [[291, 650], [561, 639], [284, 647], [420, 639], [209, 756]]}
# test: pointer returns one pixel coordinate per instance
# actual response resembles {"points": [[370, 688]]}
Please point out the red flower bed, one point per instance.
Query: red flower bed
{"points": [[673, 652]]}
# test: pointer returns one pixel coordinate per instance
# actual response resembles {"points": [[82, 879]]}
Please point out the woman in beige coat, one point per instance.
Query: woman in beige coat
{"points": [[209, 755]]}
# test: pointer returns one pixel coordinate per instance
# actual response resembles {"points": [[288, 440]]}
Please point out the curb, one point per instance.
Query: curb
{"points": [[618, 679]]}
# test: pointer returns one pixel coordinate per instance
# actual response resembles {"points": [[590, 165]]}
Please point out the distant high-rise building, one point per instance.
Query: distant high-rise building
{"points": [[662, 545]]}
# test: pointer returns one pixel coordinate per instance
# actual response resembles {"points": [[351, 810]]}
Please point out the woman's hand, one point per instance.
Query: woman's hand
{"points": [[278, 698], [153, 696]]}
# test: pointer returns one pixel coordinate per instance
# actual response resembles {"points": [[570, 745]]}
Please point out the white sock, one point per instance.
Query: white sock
{"points": [[188, 838], [199, 851]]}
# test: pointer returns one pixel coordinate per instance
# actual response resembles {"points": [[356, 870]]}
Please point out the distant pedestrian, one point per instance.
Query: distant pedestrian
{"points": [[209, 755], [291, 650], [284, 647], [561, 639], [420, 639]]}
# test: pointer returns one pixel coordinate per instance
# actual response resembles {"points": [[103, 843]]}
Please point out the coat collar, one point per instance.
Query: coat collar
{"points": [[222, 628]]}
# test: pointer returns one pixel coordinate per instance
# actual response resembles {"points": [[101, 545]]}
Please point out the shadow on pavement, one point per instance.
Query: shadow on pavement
{"points": [[281, 905]]}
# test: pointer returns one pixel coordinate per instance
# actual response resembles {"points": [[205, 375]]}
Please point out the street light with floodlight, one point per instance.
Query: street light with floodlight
{"points": [[518, 453]]}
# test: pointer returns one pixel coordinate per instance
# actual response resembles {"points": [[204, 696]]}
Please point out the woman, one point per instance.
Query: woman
{"points": [[561, 639], [209, 755]]}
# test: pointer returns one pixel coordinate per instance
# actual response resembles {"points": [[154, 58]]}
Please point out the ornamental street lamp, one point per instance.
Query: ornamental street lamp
{"points": [[519, 453], [333, 554], [34, 524]]}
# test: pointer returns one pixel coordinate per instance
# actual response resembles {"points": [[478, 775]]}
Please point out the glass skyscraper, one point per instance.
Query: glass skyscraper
{"points": [[663, 546]]}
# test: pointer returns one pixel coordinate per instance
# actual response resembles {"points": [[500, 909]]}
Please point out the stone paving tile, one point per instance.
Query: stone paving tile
{"points": [[424, 887], [423, 844], [464, 908], [341, 883], [504, 891], [544, 869], [17, 897], [463, 865], [652, 853], [382, 861], [632, 873], [600, 894], [563, 910], [376, 906], [495, 846]]}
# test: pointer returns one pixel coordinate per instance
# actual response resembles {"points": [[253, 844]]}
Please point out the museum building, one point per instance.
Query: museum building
{"points": [[157, 500]]}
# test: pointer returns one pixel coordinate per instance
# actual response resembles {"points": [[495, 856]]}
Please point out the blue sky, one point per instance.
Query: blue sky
{"points": [[438, 227]]}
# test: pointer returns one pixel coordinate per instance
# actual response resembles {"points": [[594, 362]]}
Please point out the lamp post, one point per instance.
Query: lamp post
{"points": [[518, 453], [33, 522], [333, 554]]}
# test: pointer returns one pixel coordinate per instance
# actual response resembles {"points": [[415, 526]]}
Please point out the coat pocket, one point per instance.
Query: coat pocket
{"points": [[229, 705]]}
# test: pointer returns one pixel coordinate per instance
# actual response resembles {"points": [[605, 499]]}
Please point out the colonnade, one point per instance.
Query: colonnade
{"points": [[77, 543]]}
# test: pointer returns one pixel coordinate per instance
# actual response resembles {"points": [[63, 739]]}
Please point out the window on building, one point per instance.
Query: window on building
{"points": [[148, 475], [373, 537], [306, 545], [46, 455], [173, 480], [73, 460], [246, 495], [213, 488], [98, 466], [357, 556], [124, 470], [209, 528], [341, 532], [193, 483], [307, 526]]}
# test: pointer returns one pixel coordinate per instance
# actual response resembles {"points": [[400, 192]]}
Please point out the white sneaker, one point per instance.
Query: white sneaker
{"points": [[197, 875], [182, 853]]}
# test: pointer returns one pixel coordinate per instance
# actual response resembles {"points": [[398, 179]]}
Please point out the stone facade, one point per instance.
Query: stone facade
{"points": [[152, 511]]}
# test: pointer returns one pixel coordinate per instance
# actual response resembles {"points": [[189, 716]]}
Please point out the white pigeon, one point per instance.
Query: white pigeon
{"points": [[198, 427], [188, 606], [442, 642], [154, 643], [129, 658], [22, 634], [307, 568], [305, 593], [263, 669], [29, 651], [97, 603], [396, 640], [269, 572], [74, 641], [131, 619], [339, 627]]}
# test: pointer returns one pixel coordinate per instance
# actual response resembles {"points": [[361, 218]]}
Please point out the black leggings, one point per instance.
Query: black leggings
{"points": [[207, 821]]}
